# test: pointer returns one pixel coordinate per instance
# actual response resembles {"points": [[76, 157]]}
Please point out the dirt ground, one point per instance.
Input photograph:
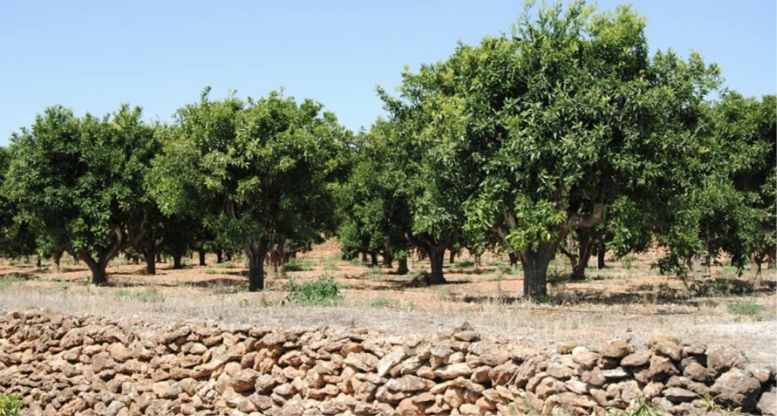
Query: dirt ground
{"points": [[625, 299]]}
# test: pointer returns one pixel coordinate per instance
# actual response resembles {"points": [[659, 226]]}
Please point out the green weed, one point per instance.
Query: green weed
{"points": [[10, 405], [146, 295], [382, 302], [745, 307], [295, 265], [322, 292], [465, 263], [331, 266]]}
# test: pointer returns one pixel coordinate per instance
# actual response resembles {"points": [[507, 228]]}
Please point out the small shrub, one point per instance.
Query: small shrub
{"points": [[745, 307], [322, 292], [298, 266], [628, 261], [10, 405], [382, 302], [465, 263]]}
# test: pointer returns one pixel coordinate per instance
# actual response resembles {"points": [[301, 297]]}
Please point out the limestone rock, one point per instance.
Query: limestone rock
{"points": [[736, 388], [616, 348], [721, 359], [409, 383]]}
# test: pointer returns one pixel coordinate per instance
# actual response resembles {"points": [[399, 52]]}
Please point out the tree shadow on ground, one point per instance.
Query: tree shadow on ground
{"points": [[664, 296]]}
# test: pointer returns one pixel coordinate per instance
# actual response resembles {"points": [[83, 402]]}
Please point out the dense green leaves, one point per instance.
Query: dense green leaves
{"points": [[79, 183], [261, 168]]}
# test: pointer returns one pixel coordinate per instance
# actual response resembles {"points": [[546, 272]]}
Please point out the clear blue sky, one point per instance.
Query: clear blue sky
{"points": [[92, 55]]}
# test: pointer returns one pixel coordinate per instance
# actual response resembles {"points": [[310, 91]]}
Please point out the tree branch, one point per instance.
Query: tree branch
{"points": [[579, 221]]}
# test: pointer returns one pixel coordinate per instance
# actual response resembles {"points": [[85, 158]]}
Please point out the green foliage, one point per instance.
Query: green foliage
{"points": [[10, 280], [225, 265], [79, 183], [744, 307], [465, 263], [10, 404], [262, 169], [382, 302], [146, 295], [331, 265], [294, 265], [322, 292], [638, 407], [728, 203]]}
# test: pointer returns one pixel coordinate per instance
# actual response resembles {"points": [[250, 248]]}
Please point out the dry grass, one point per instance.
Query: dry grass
{"points": [[617, 301]]}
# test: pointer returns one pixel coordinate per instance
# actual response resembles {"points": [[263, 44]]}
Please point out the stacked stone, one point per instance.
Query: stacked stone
{"points": [[67, 365]]}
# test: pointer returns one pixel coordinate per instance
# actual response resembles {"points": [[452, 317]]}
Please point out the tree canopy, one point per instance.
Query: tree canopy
{"points": [[262, 167]]}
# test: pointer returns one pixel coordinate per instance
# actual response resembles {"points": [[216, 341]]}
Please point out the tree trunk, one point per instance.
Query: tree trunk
{"points": [[585, 247], [229, 256], [452, 258], [513, 259], [364, 257], [535, 270], [39, 263], [202, 257], [388, 259], [159, 258], [436, 257], [219, 257], [99, 274], [373, 258], [600, 256], [402, 269], [254, 256], [177, 261], [57, 260], [150, 262]]}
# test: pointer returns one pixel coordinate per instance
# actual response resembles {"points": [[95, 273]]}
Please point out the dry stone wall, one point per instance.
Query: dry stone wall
{"points": [[70, 365]]}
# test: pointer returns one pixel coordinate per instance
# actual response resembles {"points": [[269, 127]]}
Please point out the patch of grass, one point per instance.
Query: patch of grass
{"points": [[146, 295], [639, 407], [10, 280], [465, 263], [211, 271], [498, 278], [295, 265], [382, 302], [10, 404], [628, 261], [356, 261], [375, 273], [726, 270], [331, 265], [225, 265], [710, 406], [322, 292], [744, 307]]}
